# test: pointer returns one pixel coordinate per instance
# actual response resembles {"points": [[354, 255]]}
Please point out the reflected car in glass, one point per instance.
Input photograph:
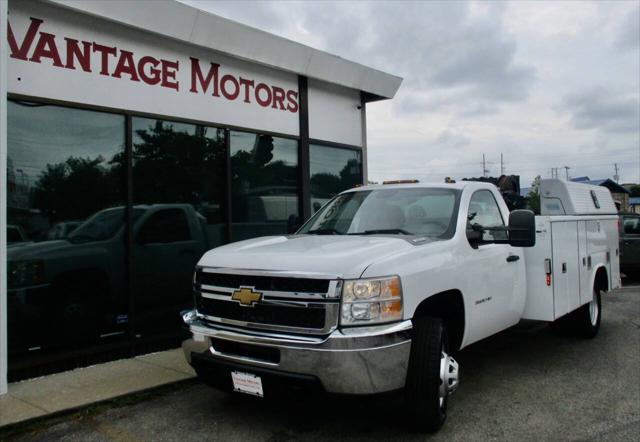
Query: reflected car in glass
{"points": [[71, 282]]}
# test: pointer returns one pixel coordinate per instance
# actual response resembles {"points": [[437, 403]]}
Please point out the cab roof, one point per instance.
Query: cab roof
{"points": [[459, 185]]}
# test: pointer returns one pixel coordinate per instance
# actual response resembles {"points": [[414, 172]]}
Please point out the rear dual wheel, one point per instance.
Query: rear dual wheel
{"points": [[432, 375], [583, 322], [586, 320]]}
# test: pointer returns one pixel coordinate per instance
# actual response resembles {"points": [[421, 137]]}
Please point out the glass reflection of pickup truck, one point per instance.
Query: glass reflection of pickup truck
{"points": [[77, 286]]}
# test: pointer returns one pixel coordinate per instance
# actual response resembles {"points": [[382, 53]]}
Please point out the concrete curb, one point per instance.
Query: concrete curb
{"points": [[16, 428]]}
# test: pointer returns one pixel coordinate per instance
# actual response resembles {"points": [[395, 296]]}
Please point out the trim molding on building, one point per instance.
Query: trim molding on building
{"points": [[187, 24], [3, 195]]}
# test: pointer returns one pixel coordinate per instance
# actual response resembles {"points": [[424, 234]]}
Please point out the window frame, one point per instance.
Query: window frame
{"points": [[504, 224]]}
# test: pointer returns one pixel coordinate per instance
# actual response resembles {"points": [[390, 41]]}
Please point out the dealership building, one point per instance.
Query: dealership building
{"points": [[133, 137]]}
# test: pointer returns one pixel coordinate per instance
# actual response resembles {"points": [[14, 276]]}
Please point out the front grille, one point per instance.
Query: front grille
{"points": [[268, 314], [271, 283]]}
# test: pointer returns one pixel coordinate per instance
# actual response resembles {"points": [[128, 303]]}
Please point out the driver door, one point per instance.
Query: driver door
{"points": [[496, 271]]}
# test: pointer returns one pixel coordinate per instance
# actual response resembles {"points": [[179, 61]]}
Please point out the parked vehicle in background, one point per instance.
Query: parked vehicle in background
{"points": [[378, 289], [630, 244]]}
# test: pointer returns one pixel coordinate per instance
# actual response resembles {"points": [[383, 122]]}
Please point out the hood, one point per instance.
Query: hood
{"points": [[37, 250], [338, 256]]}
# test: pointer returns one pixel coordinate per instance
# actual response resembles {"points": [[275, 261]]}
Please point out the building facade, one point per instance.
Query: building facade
{"points": [[138, 135]]}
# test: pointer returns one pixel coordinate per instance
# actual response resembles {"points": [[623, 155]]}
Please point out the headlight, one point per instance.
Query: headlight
{"points": [[25, 273], [371, 301]]}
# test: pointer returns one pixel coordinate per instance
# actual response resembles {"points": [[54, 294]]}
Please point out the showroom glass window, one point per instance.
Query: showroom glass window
{"points": [[332, 170], [179, 192], [265, 185], [66, 181]]}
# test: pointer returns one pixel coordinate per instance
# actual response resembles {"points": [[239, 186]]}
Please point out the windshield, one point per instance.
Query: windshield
{"points": [[405, 211], [103, 225]]}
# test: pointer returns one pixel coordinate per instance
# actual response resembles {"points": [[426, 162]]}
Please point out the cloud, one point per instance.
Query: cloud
{"points": [[597, 108], [448, 138], [456, 52], [628, 37]]}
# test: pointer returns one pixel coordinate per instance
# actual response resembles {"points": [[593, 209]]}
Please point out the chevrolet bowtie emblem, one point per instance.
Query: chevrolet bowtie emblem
{"points": [[246, 296]]}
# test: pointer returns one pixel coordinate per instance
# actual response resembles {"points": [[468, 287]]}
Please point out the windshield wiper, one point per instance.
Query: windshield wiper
{"points": [[391, 231], [325, 231]]}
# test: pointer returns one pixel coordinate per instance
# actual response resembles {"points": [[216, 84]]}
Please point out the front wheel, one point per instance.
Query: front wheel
{"points": [[432, 375]]}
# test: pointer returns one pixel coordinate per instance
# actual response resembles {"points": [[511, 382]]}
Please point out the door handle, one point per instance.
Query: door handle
{"points": [[512, 258]]}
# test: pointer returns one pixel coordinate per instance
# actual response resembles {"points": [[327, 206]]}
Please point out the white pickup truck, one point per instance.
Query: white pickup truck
{"points": [[383, 283]]}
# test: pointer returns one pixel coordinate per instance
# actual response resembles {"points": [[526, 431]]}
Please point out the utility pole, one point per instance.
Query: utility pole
{"points": [[501, 165], [484, 167], [616, 177], [566, 171]]}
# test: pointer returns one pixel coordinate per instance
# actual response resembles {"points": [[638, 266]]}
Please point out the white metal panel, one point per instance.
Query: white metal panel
{"points": [[613, 240], [539, 302], [566, 296], [585, 277], [43, 79], [558, 197], [191, 25], [3, 196], [334, 113]]}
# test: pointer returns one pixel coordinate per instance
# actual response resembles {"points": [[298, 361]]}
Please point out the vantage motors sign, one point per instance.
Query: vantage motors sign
{"points": [[66, 56]]}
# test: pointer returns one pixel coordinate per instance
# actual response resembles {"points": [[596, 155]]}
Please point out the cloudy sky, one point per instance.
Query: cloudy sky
{"points": [[547, 84]]}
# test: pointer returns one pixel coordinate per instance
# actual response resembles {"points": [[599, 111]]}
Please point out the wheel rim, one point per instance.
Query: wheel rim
{"points": [[449, 377], [594, 309]]}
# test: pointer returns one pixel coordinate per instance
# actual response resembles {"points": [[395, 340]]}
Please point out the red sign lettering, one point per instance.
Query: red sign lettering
{"points": [[37, 46]]}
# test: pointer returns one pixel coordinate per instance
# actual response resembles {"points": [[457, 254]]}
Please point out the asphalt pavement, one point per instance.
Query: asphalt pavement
{"points": [[523, 384]]}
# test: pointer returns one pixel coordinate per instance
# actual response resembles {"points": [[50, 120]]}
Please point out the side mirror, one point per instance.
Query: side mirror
{"points": [[474, 235], [522, 228], [293, 224]]}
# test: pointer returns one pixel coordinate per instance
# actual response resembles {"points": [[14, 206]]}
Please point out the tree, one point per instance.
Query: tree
{"points": [[534, 195], [171, 166], [635, 190], [77, 188]]}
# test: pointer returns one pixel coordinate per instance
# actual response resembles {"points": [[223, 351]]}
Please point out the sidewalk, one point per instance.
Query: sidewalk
{"points": [[70, 390]]}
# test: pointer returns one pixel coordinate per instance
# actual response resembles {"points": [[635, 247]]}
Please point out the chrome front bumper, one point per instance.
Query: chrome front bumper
{"points": [[359, 360]]}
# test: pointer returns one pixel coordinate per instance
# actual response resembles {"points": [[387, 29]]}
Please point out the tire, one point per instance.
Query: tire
{"points": [[426, 392], [583, 322]]}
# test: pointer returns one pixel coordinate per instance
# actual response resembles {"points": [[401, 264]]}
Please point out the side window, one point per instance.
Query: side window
{"points": [[631, 225], [165, 226], [484, 210]]}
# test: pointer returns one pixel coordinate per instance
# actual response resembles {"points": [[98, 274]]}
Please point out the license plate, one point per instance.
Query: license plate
{"points": [[247, 383]]}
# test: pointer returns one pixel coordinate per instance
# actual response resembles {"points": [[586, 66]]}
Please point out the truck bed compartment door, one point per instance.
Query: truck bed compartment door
{"points": [[566, 294], [583, 262]]}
